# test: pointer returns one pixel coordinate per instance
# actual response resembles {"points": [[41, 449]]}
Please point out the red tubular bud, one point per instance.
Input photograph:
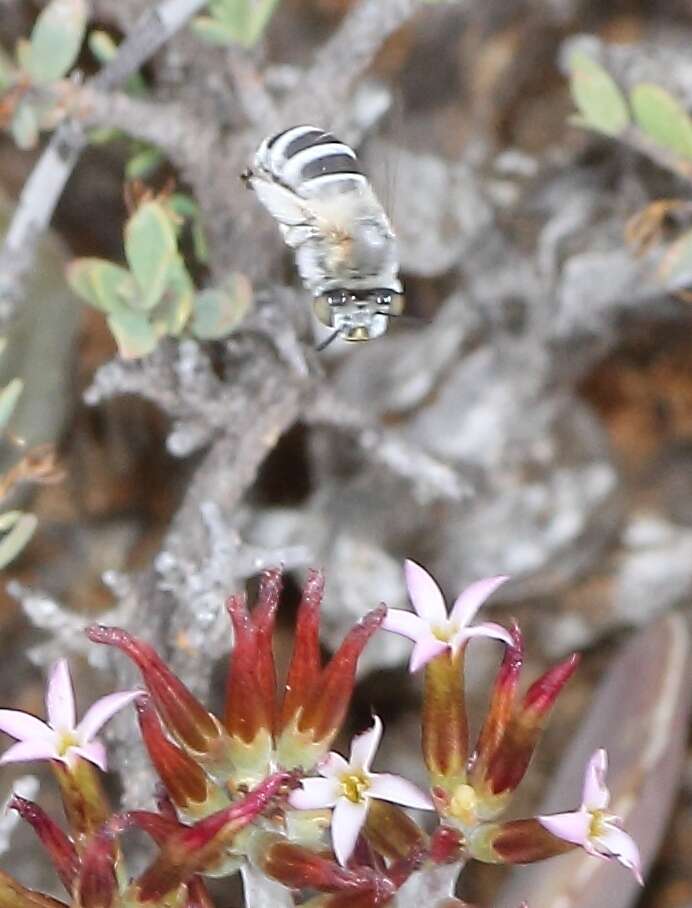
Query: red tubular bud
{"points": [[263, 618], [325, 710], [301, 868], [159, 827], [83, 797], [391, 832], [60, 848], [247, 711], [305, 666], [97, 885], [185, 781], [183, 715], [444, 724], [501, 706], [195, 849], [515, 842], [508, 764], [198, 894], [14, 895]]}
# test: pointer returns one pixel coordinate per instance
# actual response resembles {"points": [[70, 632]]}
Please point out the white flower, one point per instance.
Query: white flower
{"points": [[431, 629], [348, 787], [61, 738], [598, 832]]}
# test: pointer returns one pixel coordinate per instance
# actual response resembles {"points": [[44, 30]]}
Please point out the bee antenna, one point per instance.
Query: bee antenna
{"points": [[325, 343]]}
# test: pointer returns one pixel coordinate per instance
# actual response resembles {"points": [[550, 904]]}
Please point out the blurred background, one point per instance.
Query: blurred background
{"points": [[535, 419]]}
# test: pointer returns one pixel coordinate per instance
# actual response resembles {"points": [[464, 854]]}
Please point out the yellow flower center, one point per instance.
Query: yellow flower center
{"points": [[65, 741], [354, 785], [443, 632], [597, 826]]}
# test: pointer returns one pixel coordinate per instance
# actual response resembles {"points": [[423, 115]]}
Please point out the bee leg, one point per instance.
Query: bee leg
{"points": [[246, 176]]}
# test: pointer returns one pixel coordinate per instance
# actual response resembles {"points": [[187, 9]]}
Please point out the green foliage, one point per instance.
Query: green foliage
{"points": [[601, 104], [219, 311], [18, 528], [156, 296], [662, 118], [234, 21], [150, 245], [56, 39], [45, 57], [24, 126]]}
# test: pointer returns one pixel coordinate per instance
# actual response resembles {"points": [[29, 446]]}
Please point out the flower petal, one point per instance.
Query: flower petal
{"points": [[425, 594], [388, 787], [60, 707], [23, 726], [595, 795], [93, 751], [364, 746], [425, 650], [333, 765], [347, 821], [104, 709], [314, 794], [572, 827], [486, 629], [614, 842], [34, 749], [473, 597], [408, 624]]}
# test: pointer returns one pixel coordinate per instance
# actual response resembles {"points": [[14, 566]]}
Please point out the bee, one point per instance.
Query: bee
{"points": [[345, 249]]}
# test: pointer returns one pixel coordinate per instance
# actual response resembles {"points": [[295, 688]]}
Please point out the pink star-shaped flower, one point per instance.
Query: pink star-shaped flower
{"points": [[61, 737], [598, 832], [430, 628], [348, 787]]}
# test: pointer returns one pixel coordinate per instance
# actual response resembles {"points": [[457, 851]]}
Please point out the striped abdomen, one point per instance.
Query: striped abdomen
{"points": [[307, 160]]}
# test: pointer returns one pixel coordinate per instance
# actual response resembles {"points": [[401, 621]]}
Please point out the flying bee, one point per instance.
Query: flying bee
{"points": [[345, 249]]}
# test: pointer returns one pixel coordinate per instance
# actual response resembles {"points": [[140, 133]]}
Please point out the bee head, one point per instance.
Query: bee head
{"points": [[358, 314]]}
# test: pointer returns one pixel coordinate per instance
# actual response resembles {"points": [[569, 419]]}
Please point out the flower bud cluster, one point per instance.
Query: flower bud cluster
{"points": [[258, 786]]}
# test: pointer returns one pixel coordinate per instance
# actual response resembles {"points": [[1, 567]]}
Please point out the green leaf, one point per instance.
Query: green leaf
{"points": [[7, 71], [173, 312], [19, 531], [24, 126], [143, 163], [219, 311], [102, 45], [56, 39], [133, 333], [104, 285], [150, 246], [8, 400], [662, 117], [212, 31], [600, 101], [676, 267], [239, 21]]}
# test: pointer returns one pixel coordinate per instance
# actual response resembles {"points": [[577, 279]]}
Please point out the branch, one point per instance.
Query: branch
{"points": [[172, 127], [328, 82], [44, 187], [430, 478]]}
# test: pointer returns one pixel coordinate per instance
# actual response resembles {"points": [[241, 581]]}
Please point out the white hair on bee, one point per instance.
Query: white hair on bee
{"points": [[345, 249]]}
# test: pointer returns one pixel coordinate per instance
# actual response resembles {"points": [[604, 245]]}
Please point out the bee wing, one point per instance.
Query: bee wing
{"points": [[282, 204]]}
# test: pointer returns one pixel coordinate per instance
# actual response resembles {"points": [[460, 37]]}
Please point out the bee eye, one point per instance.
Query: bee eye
{"points": [[323, 310], [338, 298]]}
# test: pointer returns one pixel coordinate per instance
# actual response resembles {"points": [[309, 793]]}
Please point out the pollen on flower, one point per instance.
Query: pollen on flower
{"points": [[354, 785], [463, 805]]}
